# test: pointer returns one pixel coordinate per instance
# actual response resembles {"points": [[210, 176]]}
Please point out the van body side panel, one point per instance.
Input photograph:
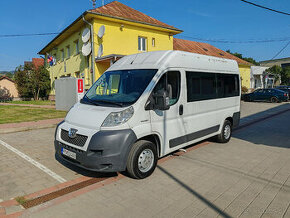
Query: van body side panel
{"points": [[192, 136]]}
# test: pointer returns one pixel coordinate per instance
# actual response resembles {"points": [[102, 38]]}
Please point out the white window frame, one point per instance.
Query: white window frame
{"points": [[68, 51], [77, 47], [142, 43], [153, 42], [62, 54]]}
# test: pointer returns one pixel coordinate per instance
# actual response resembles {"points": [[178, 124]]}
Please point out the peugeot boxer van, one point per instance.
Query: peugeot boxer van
{"points": [[148, 105]]}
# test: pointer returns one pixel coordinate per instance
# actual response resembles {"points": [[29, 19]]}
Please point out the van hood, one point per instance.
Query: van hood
{"points": [[89, 116]]}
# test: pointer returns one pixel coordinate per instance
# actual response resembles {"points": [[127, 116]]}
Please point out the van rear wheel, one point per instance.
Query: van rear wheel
{"points": [[142, 159], [226, 132]]}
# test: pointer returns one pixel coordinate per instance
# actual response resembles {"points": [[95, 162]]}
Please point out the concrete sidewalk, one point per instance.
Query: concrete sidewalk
{"points": [[247, 177], [20, 177]]}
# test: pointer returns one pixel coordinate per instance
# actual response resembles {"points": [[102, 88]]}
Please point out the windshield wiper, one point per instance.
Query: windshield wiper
{"points": [[89, 100], [110, 102]]}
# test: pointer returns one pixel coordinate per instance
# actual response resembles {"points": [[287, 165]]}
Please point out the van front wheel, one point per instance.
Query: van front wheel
{"points": [[226, 132], [142, 159]]}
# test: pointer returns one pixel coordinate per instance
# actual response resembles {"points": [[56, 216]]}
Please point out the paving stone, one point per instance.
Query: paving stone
{"points": [[247, 176]]}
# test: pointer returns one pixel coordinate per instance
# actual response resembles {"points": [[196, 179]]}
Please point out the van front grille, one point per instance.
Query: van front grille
{"points": [[79, 140]]}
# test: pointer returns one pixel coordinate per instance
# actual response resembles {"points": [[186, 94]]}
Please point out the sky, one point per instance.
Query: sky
{"points": [[226, 20]]}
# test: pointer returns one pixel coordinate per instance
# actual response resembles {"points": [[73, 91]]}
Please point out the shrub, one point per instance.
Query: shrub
{"points": [[244, 89]]}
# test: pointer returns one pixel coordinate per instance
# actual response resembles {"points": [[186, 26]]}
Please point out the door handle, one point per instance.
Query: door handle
{"points": [[181, 109]]}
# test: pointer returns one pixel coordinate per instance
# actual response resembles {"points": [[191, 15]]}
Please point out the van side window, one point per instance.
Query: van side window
{"points": [[227, 85], [205, 86], [200, 86], [172, 79]]}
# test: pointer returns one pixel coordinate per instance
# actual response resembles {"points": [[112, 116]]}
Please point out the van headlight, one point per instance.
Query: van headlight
{"points": [[118, 118]]}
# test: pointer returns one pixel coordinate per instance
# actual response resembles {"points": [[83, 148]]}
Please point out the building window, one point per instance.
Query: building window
{"points": [[142, 43], [153, 42], [55, 58], [78, 74], [62, 55], [68, 51], [77, 47]]}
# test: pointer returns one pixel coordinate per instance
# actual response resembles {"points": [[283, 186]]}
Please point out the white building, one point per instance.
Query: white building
{"points": [[260, 78]]}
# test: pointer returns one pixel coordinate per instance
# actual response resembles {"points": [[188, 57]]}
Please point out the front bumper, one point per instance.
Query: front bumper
{"points": [[107, 151]]}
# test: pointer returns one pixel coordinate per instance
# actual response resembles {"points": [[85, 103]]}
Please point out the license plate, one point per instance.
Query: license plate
{"points": [[69, 153]]}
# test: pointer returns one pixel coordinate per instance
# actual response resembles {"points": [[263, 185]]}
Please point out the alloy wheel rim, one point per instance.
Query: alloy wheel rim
{"points": [[227, 131], [145, 160]]}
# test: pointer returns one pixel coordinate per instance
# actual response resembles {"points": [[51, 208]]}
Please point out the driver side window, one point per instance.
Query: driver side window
{"points": [[171, 80]]}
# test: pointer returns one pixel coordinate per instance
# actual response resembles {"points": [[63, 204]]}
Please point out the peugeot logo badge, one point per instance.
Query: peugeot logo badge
{"points": [[72, 133]]}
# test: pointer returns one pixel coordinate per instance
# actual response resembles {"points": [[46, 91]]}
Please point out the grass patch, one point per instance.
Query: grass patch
{"points": [[16, 114], [21, 200], [40, 102]]}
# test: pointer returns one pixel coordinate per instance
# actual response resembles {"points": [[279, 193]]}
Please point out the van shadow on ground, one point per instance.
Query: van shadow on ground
{"points": [[272, 131]]}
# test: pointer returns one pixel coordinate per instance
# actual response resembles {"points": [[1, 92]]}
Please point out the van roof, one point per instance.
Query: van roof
{"points": [[175, 59]]}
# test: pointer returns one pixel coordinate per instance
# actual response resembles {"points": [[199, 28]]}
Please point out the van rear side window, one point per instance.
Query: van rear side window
{"points": [[206, 86]]}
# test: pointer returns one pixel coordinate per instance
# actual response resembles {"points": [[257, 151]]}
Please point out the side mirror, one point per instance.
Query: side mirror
{"points": [[161, 99]]}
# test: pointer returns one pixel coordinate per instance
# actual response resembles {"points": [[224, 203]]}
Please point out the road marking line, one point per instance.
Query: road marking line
{"points": [[35, 163]]}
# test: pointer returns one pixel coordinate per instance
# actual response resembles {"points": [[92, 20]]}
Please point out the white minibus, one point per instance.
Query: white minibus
{"points": [[148, 105]]}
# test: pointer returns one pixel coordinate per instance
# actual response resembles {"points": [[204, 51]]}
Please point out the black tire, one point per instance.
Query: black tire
{"points": [[224, 136], [274, 100], [248, 98], [133, 167]]}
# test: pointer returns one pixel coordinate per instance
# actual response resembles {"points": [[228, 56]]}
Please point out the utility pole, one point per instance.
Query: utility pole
{"points": [[94, 3]]}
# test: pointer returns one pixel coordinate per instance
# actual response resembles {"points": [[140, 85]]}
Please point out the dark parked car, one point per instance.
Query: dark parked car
{"points": [[284, 88], [273, 95]]}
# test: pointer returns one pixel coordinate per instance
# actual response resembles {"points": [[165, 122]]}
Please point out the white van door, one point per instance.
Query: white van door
{"points": [[169, 124], [200, 113]]}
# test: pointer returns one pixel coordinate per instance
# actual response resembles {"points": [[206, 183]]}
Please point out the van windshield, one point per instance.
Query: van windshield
{"points": [[119, 88]]}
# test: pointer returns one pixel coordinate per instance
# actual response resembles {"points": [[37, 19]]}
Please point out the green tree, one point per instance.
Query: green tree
{"points": [[9, 74], [285, 77], [250, 60], [22, 80], [276, 71], [280, 73], [32, 82]]}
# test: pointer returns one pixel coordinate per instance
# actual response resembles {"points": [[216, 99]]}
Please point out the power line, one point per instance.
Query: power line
{"points": [[270, 9], [184, 36], [238, 42], [281, 50], [29, 34]]}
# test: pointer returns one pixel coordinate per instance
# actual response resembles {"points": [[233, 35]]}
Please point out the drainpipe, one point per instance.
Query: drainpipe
{"points": [[93, 48]]}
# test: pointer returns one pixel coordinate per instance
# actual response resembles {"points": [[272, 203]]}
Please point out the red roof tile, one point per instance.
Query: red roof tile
{"points": [[119, 10], [37, 62], [6, 77], [205, 49]]}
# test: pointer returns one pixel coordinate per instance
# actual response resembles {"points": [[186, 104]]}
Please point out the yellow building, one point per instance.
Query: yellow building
{"points": [[8, 89], [127, 31], [207, 49]]}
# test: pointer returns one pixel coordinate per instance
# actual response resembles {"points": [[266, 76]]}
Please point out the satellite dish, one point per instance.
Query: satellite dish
{"points": [[86, 49], [86, 35], [101, 31], [100, 51]]}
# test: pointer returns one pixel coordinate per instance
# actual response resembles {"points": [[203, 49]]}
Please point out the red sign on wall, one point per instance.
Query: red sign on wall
{"points": [[80, 86]]}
